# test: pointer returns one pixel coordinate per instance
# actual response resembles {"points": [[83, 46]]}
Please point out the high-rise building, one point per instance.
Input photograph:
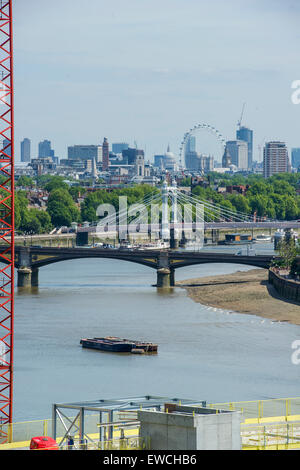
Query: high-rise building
{"points": [[158, 161], [134, 156], [238, 151], [295, 157], [25, 150], [246, 134], [105, 155], [118, 147], [191, 160], [190, 152], [131, 154], [99, 154], [226, 159], [85, 152], [190, 145], [45, 150], [276, 159]]}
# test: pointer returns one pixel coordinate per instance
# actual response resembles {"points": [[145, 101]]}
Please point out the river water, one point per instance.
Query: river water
{"points": [[204, 353]]}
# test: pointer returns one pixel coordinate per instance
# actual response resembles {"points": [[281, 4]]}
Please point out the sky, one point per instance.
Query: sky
{"points": [[147, 71]]}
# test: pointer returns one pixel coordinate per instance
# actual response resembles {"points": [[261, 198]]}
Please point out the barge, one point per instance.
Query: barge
{"points": [[237, 239], [114, 344]]}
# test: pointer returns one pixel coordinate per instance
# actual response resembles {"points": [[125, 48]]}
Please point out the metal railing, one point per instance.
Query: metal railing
{"points": [[263, 411], [265, 423], [271, 436]]}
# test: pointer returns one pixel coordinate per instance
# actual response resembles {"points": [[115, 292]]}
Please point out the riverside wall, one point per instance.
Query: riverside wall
{"points": [[287, 288]]}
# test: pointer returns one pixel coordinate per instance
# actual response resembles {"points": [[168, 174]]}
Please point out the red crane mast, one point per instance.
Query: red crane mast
{"points": [[6, 218]]}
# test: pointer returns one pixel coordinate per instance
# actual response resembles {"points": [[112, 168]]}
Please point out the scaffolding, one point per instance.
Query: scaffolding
{"points": [[105, 421]]}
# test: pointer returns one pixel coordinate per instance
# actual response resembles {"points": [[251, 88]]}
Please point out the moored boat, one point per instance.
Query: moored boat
{"points": [[263, 238], [115, 344], [105, 344]]}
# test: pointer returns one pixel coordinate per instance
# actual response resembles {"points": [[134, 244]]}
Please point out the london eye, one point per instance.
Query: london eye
{"points": [[194, 130]]}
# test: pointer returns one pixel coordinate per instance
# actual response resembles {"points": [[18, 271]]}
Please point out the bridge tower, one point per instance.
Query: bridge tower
{"points": [[174, 241], [165, 227], [6, 218]]}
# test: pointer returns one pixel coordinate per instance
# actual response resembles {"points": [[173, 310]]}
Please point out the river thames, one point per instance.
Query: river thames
{"points": [[203, 353]]}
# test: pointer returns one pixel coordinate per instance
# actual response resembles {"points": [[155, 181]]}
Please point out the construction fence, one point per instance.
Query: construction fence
{"points": [[266, 424]]}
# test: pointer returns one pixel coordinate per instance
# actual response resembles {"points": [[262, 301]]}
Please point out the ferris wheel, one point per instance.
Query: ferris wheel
{"points": [[212, 130]]}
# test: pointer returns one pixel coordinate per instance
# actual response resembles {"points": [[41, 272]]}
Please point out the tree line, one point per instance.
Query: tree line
{"points": [[273, 198]]}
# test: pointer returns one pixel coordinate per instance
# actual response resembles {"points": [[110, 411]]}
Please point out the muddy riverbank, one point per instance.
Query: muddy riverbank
{"points": [[243, 292]]}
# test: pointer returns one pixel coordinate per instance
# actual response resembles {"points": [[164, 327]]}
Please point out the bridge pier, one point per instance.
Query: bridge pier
{"points": [[163, 278], [24, 277], [183, 240], [174, 242], [35, 277], [28, 277], [215, 235], [172, 277]]}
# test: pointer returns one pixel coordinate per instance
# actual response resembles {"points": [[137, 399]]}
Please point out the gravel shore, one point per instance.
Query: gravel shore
{"points": [[243, 292]]}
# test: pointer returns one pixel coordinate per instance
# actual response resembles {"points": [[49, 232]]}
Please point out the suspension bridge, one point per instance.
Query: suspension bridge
{"points": [[173, 215], [169, 216]]}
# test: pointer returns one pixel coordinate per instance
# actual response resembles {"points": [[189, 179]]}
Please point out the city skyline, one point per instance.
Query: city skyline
{"points": [[153, 71]]}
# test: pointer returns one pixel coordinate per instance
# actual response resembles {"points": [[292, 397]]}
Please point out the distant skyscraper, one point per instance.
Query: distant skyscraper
{"points": [[192, 160], [190, 152], [158, 161], [131, 155], [295, 157], [276, 158], [245, 134], [118, 147], [45, 149], [238, 151], [105, 155], [136, 157], [190, 145], [25, 150], [85, 152], [226, 159]]}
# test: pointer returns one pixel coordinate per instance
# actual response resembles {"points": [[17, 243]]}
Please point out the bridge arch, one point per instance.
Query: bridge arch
{"points": [[165, 262], [40, 264]]}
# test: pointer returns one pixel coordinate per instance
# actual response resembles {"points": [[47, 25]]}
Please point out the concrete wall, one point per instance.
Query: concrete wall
{"points": [[287, 288], [203, 430]]}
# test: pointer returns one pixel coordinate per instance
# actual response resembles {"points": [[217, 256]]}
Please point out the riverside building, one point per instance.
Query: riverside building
{"points": [[276, 158]]}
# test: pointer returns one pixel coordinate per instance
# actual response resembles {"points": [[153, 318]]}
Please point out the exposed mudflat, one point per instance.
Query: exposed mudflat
{"points": [[243, 292]]}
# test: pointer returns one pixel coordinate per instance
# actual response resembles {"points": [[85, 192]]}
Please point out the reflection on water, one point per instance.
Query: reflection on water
{"points": [[204, 352]]}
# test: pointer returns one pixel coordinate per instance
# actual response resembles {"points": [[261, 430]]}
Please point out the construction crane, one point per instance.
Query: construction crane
{"points": [[6, 219], [241, 117]]}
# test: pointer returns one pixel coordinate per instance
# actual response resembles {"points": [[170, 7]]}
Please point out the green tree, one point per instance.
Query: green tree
{"points": [[31, 225], [288, 252], [25, 181], [93, 200], [258, 204], [240, 203], [62, 208], [44, 219], [56, 182]]}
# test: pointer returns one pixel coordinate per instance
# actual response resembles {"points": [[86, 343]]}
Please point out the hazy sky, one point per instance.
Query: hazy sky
{"points": [[148, 70]]}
